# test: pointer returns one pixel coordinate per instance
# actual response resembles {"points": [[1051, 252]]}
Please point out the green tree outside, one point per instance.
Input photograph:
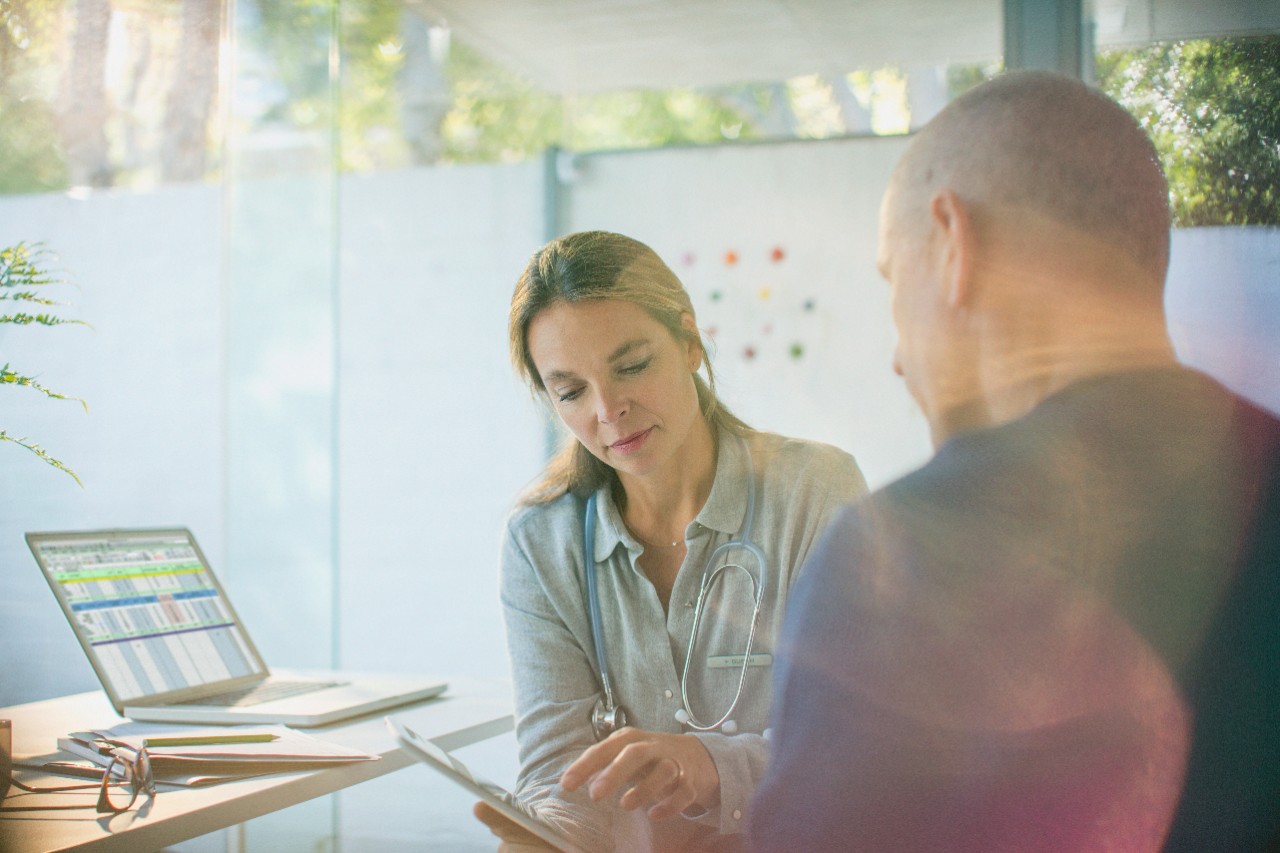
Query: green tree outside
{"points": [[396, 99], [30, 159], [1213, 109]]}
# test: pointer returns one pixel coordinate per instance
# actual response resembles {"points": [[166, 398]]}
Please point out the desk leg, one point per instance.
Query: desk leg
{"points": [[235, 838]]}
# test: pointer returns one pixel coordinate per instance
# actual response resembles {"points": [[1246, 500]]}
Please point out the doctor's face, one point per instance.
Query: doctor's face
{"points": [[618, 380]]}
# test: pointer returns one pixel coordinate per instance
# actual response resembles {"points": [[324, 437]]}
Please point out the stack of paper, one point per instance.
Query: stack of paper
{"points": [[185, 755]]}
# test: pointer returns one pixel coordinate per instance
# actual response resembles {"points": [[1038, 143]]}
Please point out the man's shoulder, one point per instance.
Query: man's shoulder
{"points": [[942, 512]]}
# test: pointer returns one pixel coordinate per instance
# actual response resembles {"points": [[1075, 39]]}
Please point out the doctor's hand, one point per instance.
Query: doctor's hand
{"points": [[666, 773], [515, 838]]}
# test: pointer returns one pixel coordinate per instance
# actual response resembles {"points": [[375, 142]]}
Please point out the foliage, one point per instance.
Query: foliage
{"points": [[645, 118], [962, 78], [23, 276], [495, 115], [30, 161], [1213, 109], [372, 132], [286, 48], [366, 81]]}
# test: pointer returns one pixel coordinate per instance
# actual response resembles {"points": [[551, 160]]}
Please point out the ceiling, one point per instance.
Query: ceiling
{"points": [[588, 46]]}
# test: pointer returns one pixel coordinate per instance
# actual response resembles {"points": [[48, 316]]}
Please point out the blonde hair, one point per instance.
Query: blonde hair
{"points": [[602, 265]]}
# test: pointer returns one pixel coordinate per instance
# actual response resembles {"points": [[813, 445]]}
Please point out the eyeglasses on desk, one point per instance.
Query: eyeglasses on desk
{"points": [[123, 780]]}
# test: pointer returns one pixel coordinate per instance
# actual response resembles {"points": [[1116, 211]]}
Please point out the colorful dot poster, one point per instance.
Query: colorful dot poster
{"points": [[801, 343], [749, 303]]}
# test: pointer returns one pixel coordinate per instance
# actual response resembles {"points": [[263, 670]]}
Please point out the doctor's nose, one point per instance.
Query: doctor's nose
{"points": [[609, 407]]}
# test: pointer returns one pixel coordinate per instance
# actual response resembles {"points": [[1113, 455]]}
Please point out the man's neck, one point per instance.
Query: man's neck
{"points": [[1051, 350]]}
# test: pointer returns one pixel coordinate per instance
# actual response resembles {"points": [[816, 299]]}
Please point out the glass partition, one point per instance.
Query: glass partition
{"points": [[280, 197]]}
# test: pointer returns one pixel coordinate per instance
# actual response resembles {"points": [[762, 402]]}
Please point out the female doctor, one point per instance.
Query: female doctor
{"points": [[641, 667]]}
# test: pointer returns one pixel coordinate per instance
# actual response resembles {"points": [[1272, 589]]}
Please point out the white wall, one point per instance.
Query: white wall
{"points": [[1223, 298]]}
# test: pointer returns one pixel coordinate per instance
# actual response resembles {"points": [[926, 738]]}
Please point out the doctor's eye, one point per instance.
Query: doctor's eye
{"points": [[568, 396], [637, 367]]}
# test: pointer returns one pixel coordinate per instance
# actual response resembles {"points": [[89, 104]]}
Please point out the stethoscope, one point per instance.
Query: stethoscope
{"points": [[607, 716]]}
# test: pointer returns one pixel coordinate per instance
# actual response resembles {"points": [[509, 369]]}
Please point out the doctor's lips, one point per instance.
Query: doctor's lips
{"points": [[631, 442]]}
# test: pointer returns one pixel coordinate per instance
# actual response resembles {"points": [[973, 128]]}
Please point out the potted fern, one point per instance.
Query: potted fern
{"points": [[24, 277]]}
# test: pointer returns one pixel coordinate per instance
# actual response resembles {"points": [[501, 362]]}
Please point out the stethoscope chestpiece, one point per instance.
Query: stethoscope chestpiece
{"points": [[607, 719]]}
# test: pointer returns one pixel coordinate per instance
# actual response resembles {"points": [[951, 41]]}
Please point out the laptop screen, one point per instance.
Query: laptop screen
{"points": [[147, 610]]}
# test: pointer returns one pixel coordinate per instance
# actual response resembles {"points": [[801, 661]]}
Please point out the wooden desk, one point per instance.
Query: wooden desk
{"points": [[471, 710]]}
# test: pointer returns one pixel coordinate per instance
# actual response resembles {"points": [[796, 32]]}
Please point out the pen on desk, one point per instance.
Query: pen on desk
{"points": [[66, 768], [208, 740]]}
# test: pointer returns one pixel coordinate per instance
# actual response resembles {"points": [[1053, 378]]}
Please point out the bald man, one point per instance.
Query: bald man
{"points": [[1061, 633]]}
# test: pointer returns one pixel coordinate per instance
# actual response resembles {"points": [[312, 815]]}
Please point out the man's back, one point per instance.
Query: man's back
{"points": [[996, 652], [1231, 798]]}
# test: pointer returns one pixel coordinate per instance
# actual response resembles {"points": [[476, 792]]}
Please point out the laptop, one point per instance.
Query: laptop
{"points": [[168, 647]]}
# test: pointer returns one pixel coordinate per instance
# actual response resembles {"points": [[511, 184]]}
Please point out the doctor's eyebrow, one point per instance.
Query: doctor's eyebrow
{"points": [[627, 348], [618, 354]]}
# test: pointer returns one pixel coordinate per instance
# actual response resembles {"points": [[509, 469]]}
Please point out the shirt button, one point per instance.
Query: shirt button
{"points": [[737, 814], [667, 693]]}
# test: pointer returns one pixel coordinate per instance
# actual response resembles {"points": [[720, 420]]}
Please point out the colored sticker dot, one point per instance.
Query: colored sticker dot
{"points": [[689, 259], [749, 353], [797, 351], [808, 305], [730, 258], [716, 295], [777, 254], [767, 329], [765, 293]]}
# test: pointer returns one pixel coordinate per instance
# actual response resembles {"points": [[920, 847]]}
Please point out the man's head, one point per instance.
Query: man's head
{"points": [[1010, 194]]}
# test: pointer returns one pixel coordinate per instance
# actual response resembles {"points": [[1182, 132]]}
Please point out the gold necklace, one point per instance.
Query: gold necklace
{"points": [[646, 542]]}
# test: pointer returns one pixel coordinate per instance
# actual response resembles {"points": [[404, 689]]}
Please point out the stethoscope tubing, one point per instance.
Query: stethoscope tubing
{"points": [[708, 580], [709, 575], [593, 599]]}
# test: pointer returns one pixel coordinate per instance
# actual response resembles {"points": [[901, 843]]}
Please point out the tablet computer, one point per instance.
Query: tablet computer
{"points": [[495, 795]]}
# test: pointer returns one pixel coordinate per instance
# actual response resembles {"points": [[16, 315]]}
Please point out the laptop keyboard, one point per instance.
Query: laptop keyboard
{"points": [[267, 691]]}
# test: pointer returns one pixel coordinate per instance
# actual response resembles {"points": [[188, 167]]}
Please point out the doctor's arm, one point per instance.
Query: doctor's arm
{"points": [[514, 838], [555, 688]]}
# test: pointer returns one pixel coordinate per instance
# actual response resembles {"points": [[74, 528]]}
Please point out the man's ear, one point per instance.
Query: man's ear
{"points": [[953, 226]]}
